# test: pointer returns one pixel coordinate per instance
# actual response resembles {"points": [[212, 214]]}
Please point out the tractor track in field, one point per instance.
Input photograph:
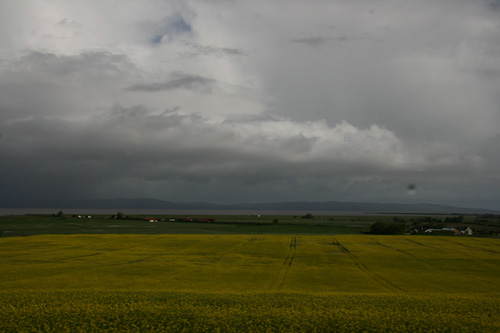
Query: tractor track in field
{"points": [[410, 254], [407, 253], [49, 251], [58, 260], [469, 254], [365, 270], [144, 259], [482, 248], [419, 259], [233, 249], [426, 262], [278, 282], [194, 268], [471, 246], [419, 244], [467, 247]]}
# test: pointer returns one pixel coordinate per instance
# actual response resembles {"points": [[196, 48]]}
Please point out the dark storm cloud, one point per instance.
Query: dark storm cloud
{"points": [[178, 81], [494, 4], [229, 101], [133, 146], [137, 143]]}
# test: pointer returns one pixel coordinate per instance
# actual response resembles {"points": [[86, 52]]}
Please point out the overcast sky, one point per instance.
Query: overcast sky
{"points": [[250, 101]]}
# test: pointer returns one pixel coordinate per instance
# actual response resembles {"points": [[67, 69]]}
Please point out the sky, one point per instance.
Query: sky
{"points": [[250, 101]]}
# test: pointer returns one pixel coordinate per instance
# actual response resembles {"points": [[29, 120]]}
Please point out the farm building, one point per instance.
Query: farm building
{"points": [[150, 219], [453, 231], [190, 219], [465, 231]]}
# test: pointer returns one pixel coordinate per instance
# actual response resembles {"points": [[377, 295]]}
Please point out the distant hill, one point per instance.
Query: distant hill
{"points": [[365, 207]]}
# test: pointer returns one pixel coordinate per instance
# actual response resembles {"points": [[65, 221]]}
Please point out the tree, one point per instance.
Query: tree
{"points": [[456, 219], [387, 228]]}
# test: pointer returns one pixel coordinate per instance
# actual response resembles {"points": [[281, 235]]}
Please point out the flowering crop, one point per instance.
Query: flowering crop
{"points": [[194, 312], [192, 283]]}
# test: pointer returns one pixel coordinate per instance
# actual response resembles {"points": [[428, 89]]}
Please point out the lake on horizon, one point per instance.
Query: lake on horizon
{"points": [[110, 211]]}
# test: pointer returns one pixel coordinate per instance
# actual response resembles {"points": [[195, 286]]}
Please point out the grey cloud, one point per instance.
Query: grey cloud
{"points": [[85, 64], [71, 24], [214, 50], [494, 5], [45, 84], [179, 81], [489, 150], [310, 41], [179, 25], [319, 41], [263, 117]]}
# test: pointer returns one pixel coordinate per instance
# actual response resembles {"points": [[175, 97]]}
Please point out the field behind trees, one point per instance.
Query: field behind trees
{"points": [[249, 283]]}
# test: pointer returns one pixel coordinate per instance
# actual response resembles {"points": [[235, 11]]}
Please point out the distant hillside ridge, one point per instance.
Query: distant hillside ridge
{"points": [[365, 207]]}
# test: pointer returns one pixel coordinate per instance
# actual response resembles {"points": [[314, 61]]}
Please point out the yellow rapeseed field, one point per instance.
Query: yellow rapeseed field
{"points": [[249, 283]]}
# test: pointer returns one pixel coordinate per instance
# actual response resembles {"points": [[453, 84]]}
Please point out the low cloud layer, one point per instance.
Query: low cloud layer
{"points": [[179, 81], [233, 102]]}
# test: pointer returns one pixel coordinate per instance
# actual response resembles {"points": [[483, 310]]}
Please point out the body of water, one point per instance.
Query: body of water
{"points": [[110, 211]]}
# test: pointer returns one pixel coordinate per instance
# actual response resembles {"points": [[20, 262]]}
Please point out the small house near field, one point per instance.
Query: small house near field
{"points": [[465, 231], [151, 219], [448, 231]]}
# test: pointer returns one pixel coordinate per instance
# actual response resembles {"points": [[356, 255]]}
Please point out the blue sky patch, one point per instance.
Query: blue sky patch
{"points": [[171, 27]]}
